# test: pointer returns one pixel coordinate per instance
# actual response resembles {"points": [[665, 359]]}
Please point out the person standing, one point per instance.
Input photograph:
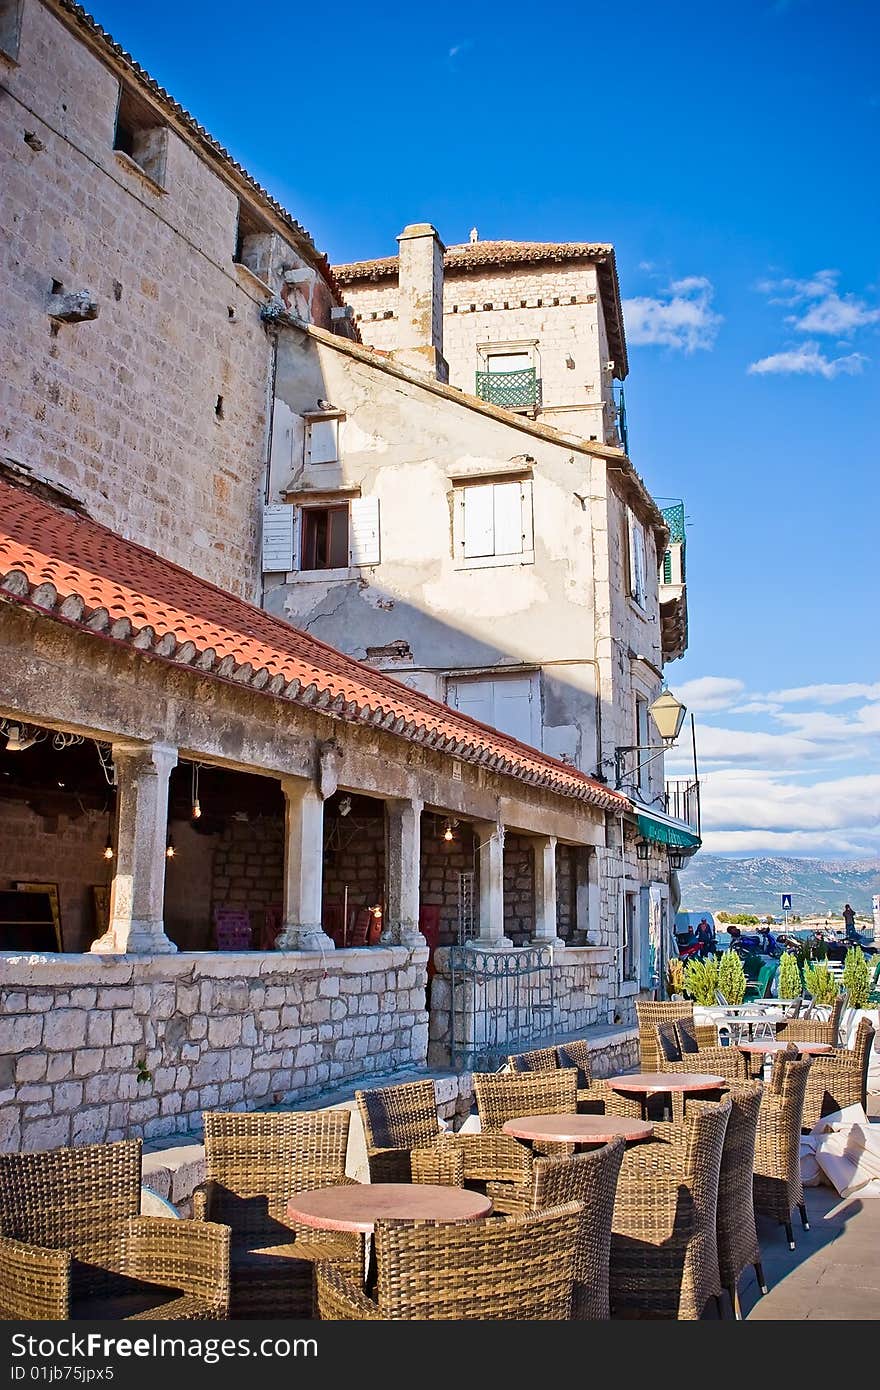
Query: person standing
{"points": [[849, 921]]}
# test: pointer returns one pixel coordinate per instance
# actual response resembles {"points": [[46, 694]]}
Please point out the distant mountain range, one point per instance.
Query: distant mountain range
{"points": [[756, 885]]}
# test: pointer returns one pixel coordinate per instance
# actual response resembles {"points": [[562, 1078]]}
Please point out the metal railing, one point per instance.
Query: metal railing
{"points": [[510, 389], [501, 1001], [682, 798]]}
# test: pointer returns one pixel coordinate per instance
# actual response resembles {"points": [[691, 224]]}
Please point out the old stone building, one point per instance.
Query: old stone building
{"points": [[267, 718]]}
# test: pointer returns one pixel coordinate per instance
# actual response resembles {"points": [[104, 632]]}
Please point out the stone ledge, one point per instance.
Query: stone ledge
{"points": [[61, 969]]}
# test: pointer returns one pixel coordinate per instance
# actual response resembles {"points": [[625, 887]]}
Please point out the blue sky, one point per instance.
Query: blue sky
{"points": [[729, 152]]}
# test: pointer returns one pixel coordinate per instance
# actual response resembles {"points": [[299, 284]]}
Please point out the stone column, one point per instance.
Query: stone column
{"points": [[491, 842], [303, 868], [402, 872], [138, 890], [545, 891]]}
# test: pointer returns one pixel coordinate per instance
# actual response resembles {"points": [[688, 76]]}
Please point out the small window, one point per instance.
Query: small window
{"points": [[322, 441], [253, 242], [638, 568], [324, 538], [10, 27], [140, 134], [630, 936], [493, 524]]}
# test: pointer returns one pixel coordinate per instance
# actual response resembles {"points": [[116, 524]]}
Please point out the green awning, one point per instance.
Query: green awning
{"points": [[665, 832]]}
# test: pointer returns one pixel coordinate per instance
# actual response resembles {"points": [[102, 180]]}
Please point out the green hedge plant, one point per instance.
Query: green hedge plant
{"points": [[701, 980], [732, 978], [857, 978], [820, 982], [789, 976]]}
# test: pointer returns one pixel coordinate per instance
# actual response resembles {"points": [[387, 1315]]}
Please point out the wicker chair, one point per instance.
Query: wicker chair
{"points": [[813, 1029], [652, 1012], [73, 1245], [839, 1078], [737, 1238], [664, 1250], [728, 1062], [517, 1270], [501, 1163], [777, 1186], [253, 1164], [539, 1059], [593, 1097], [403, 1136], [589, 1178]]}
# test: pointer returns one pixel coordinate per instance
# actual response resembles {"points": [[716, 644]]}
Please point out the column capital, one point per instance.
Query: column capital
{"points": [[162, 757]]}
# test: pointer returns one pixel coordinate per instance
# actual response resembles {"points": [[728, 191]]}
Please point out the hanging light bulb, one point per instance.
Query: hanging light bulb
{"points": [[108, 848], [169, 848], [449, 832], [197, 810], [196, 807]]}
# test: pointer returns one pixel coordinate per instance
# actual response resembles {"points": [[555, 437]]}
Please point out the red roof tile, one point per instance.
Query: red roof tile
{"points": [[72, 568]]}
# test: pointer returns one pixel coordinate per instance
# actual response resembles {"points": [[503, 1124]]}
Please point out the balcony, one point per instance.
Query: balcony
{"points": [[673, 587], [520, 390], [682, 800]]}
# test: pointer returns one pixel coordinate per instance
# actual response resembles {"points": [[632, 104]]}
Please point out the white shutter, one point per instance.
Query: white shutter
{"points": [[479, 524], [473, 698], [277, 537], [637, 562], [513, 708], [528, 527], [508, 513], [322, 441], [508, 362], [364, 532]]}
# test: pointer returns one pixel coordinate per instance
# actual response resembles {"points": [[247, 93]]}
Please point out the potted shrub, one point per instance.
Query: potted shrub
{"points": [[857, 983], [789, 984], [732, 978], [675, 978], [821, 984], [701, 981]]}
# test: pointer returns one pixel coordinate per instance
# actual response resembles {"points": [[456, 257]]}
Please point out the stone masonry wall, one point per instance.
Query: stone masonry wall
{"points": [[442, 863], [354, 858], [61, 849], [97, 1048], [519, 888], [153, 414], [566, 909], [248, 870]]}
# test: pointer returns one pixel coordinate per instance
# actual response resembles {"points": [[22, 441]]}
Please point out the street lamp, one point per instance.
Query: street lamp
{"points": [[668, 715]]}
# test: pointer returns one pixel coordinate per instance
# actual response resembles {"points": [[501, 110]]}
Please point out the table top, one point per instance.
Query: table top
{"points": [[667, 1081], [779, 1044], [577, 1129], [357, 1206]]}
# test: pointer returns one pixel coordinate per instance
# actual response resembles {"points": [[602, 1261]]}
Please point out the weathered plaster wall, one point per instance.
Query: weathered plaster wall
{"points": [[398, 446], [122, 410], [213, 1031]]}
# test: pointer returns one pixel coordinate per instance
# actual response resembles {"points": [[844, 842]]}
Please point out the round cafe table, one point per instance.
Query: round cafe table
{"points": [[769, 1048], [676, 1083], [577, 1129], [358, 1206]]}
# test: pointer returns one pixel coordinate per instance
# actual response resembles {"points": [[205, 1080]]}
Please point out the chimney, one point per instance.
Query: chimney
{"points": [[420, 301]]}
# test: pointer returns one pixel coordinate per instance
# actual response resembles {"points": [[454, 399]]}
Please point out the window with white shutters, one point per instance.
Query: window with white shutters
{"points": [[508, 703], [638, 568], [322, 441], [493, 524], [336, 536], [278, 538], [364, 531]]}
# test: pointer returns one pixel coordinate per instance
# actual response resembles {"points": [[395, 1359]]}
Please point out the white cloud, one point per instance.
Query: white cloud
{"points": [[709, 692], [819, 844], [817, 724], [826, 694], [756, 707], [683, 318], [747, 747], [808, 360], [461, 47], [751, 801], [836, 316]]}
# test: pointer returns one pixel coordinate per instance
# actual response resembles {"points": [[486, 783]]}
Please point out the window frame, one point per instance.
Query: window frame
{"points": [[308, 516], [135, 117], [524, 556], [10, 30], [637, 558]]}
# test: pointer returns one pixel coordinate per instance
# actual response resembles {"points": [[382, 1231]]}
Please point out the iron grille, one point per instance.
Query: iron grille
{"points": [[501, 1001], [510, 389]]}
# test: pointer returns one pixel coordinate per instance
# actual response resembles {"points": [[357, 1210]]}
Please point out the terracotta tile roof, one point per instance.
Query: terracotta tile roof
{"points": [[84, 21], [75, 570], [488, 255]]}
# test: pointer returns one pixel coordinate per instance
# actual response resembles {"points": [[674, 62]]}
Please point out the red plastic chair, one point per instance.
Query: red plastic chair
{"points": [[332, 921], [429, 926], [232, 929]]}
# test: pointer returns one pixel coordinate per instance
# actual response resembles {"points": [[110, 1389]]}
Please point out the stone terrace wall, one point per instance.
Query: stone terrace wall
{"points": [[213, 1031]]}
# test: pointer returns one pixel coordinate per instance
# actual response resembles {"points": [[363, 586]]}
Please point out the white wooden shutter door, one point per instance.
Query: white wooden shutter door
{"points": [[277, 537], [473, 698], [479, 524], [508, 511], [513, 708], [365, 531], [641, 565]]}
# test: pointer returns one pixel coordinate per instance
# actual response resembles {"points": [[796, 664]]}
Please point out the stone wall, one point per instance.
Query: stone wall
{"points": [[442, 864], [354, 858], [65, 849], [248, 868], [153, 413], [519, 888], [97, 1048]]}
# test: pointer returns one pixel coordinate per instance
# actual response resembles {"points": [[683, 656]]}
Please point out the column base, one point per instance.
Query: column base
{"points": [[401, 934], [554, 941], [144, 938], [295, 936], [490, 943]]}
